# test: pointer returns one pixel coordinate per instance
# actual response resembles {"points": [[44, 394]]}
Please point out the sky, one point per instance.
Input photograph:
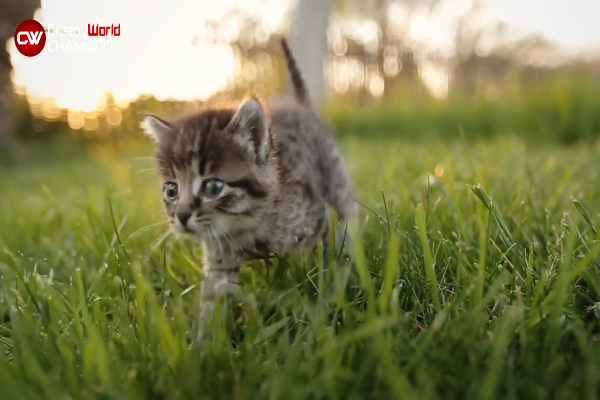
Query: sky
{"points": [[571, 22], [155, 54]]}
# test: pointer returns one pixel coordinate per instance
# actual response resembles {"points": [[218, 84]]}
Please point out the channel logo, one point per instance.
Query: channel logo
{"points": [[30, 38]]}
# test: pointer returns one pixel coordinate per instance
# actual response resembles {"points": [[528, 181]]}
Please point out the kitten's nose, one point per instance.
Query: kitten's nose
{"points": [[183, 217]]}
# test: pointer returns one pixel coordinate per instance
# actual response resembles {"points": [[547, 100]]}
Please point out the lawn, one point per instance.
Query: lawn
{"points": [[481, 281]]}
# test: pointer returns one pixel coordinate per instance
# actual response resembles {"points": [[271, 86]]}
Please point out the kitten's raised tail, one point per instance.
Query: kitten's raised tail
{"points": [[300, 90]]}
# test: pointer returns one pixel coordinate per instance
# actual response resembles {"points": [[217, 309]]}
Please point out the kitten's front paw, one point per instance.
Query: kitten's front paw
{"points": [[216, 319], [205, 316], [343, 242]]}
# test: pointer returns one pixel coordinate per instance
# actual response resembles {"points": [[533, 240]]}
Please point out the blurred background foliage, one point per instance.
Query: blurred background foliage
{"points": [[379, 80]]}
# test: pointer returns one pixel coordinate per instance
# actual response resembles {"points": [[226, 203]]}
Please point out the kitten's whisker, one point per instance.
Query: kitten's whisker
{"points": [[140, 158], [215, 237], [159, 240], [218, 240], [146, 171], [145, 229], [229, 239]]}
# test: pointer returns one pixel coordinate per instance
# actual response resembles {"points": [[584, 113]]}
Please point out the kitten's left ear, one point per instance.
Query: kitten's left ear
{"points": [[156, 128], [250, 128]]}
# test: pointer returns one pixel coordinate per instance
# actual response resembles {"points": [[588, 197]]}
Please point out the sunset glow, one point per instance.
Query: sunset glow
{"points": [[156, 52]]}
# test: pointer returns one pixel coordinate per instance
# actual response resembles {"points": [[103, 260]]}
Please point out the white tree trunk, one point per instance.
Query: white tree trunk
{"points": [[308, 40]]}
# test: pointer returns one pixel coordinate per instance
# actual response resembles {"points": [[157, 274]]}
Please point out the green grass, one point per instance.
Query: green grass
{"points": [[482, 283], [562, 110]]}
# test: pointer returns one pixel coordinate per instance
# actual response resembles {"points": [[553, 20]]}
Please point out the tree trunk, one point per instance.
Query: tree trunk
{"points": [[308, 40], [11, 15], [6, 99]]}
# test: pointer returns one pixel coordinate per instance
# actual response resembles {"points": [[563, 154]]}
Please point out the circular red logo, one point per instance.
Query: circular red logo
{"points": [[30, 38]]}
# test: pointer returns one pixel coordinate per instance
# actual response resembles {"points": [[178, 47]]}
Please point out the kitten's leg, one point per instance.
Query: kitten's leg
{"points": [[321, 234], [339, 193], [221, 272], [342, 238], [326, 255]]}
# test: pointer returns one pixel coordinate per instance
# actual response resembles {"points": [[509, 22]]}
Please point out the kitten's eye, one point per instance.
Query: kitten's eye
{"points": [[171, 190], [212, 187]]}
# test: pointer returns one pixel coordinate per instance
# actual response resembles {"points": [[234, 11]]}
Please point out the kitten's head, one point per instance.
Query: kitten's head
{"points": [[218, 172]]}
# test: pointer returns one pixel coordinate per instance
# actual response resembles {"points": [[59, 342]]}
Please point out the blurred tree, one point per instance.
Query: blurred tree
{"points": [[392, 56], [243, 29], [467, 37], [12, 13], [394, 38], [368, 43], [486, 56], [308, 40], [250, 42]]}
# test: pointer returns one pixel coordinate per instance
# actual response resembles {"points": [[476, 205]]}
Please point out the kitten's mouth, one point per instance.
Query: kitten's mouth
{"points": [[187, 230], [201, 227], [196, 230]]}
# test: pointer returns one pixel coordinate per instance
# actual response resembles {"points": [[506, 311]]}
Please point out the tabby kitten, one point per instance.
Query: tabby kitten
{"points": [[251, 178]]}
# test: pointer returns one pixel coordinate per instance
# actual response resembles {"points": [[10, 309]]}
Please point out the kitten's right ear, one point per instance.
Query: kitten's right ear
{"points": [[156, 128]]}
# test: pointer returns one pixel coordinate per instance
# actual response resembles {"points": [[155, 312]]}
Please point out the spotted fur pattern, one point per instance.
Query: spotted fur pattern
{"points": [[249, 178]]}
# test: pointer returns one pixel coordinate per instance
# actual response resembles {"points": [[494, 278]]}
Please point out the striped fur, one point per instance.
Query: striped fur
{"points": [[300, 89]]}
